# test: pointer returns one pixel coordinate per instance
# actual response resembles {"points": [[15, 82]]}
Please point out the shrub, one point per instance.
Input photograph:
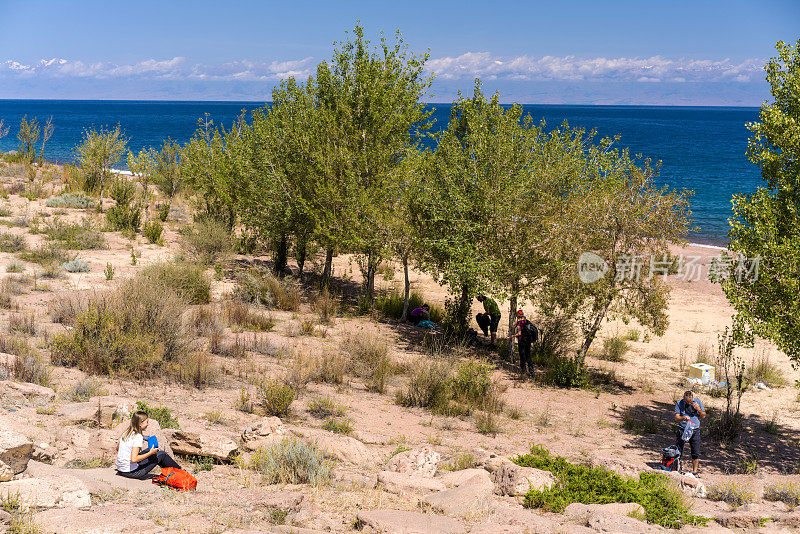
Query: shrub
{"points": [[109, 271], [76, 266], [85, 389], [466, 460], [14, 267], [70, 200], [244, 403], [472, 385], [662, 501], [46, 254], [24, 323], [370, 359], [208, 242], [292, 462], [639, 423], [28, 365], [632, 334], [761, 369], [731, 493], [240, 315], [567, 372], [187, 280], [325, 306], [322, 406], [12, 242], [338, 426], [786, 492], [703, 354], [161, 414], [614, 349], [276, 397], [75, 236], [390, 305], [126, 216], [195, 369], [261, 287], [152, 231], [134, 331], [332, 367], [556, 339], [486, 422], [66, 308], [429, 386]]}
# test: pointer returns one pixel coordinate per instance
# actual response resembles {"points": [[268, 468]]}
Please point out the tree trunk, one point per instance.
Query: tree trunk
{"points": [[326, 273], [369, 283], [406, 289], [594, 327], [512, 317], [302, 250], [281, 255]]}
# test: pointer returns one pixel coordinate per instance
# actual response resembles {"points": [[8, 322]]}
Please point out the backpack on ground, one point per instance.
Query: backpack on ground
{"points": [[670, 459], [530, 332], [175, 478]]}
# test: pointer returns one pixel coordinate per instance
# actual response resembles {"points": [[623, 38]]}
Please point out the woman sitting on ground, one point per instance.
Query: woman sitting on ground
{"points": [[423, 313], [131, 462]]}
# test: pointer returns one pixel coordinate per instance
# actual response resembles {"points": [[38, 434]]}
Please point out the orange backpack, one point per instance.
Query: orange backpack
{"points": [[175, 478]]}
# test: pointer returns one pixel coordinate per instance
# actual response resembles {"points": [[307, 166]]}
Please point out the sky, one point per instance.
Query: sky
{"points": [[698, 52]]}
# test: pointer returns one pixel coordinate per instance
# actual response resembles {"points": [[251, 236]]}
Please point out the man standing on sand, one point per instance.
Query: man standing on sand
{"points": [[489, 320], [688, 412]]}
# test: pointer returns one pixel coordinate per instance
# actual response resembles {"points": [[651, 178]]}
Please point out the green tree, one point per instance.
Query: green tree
{"points": [[47, 133], [167, 175], [28, 136], [762, 282], [98, 153]]}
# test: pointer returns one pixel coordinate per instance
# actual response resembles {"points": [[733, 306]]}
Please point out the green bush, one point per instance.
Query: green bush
{"points": [[390, 305], [14, 267], [567, 372], [614, 349], [472, 385], [370, 359], [338, 426], [188, 280], [12, 242], [276, 397], [430, 386], [46, 254], [240, 315], [786, 492], [75, 236], [126, 216], [161, 414], [324, 406], [152, 231], [208, 242], [70, 200], [292, 462], [663, 502]]}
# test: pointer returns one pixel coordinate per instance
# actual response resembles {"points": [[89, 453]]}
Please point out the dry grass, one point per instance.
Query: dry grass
{"points": [[242, 316], [370, 360], [22, 323]]}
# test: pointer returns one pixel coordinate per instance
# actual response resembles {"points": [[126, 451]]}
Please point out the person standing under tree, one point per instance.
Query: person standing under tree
{"points": [[489, 320], [688, 412], [526, 333]]}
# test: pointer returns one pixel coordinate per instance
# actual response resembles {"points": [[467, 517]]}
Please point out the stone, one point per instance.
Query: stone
{"points": [[343, 448], [64, 491], [369, 438], [311, 516], [216, 446], [6, 473], [43, 452], [468, 498], [689, 484], [95, 521], [621, 524], [739, 520], [424, 462], [513, 480], [5, 517], [395, 482], [581, 512], [23, 391], [515, 517], [97, 480], [354, 477], [262, 433], [15, 450], [712, 528], [396, 521], [622, 468], [457, 478]]}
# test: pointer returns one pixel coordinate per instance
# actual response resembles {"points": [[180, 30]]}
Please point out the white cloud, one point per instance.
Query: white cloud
{"points": [[465, 66]]}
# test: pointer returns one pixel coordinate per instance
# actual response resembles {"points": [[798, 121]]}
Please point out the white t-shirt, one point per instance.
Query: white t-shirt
{"points": [[125, 448]]}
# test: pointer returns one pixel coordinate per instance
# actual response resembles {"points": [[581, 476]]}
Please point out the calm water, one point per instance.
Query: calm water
{"points": [[702, 149]]}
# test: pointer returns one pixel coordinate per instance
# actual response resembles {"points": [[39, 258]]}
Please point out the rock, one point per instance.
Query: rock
{"points": [[609, 522], [81, 413], [6, 473], [512, 479], [712, 528], [5, 517], [469, 498], [739, 520], [96, 521], [23, 391], [369, 438], [220, 447], [97, 480], [64, 491], [620, 467], [354, 477], [516, 517], [424, 462], [395, 482], [15, 450], [344, 448], [394, 521], [457, 478], [44, 453], [581, 512], [311, 516], [689, 484], [263, 432]]}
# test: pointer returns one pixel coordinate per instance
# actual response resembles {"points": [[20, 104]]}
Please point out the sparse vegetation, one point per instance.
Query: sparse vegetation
{"points": [[187, 280], [15, 267], [240, 315], [28, 365], [22, 323], [323, 406], [292, 462], [465, 460], [614, 349], [733, 493], [786, 492], [208, 242], [262, 288], [76, 266], [85, 389], [338, 426], [370, 360], [75, 236], [108, 272], [153, 231], [70, 200], [126, 215], [761, 369], [12, 242], [46, 254], [639, 423]]}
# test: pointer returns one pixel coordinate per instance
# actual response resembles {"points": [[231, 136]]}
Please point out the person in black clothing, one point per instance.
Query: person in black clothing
{"points": [[526, 333]]}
